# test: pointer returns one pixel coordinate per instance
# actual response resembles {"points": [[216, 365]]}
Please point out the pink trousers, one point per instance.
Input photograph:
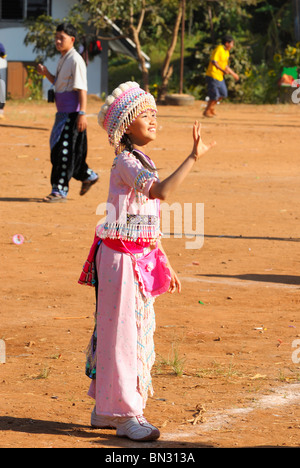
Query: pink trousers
{"points": [[125, 329]]}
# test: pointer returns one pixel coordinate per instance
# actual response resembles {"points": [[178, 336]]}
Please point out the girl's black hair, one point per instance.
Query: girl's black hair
{"points": [[126, 142]]}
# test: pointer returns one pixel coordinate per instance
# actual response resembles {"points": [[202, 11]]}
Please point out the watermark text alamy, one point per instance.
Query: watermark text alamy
{"points": [[188, 220]]}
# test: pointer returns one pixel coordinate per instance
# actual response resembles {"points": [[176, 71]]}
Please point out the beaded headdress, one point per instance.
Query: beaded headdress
{"points": [[120, 109]]}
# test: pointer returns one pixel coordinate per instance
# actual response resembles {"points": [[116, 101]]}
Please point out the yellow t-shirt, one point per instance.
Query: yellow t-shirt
{"points": [[221, 56]]}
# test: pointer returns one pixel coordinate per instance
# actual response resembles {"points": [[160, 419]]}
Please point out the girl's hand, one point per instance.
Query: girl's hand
{"points": [[175, 282], [199, 148]]}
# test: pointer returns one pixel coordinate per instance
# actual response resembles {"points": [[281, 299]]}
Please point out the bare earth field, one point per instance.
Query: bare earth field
{"points": [[227, 372]]}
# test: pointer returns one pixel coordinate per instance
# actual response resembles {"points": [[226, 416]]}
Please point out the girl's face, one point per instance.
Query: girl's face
{"points": [[143, 129]]}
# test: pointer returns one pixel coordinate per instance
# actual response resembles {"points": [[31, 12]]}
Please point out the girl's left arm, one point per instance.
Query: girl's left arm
{"points": [[162, 189], [175, 282]]}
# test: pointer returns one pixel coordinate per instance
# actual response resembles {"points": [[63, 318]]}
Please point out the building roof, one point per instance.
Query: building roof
{"points": [[123, 45]]}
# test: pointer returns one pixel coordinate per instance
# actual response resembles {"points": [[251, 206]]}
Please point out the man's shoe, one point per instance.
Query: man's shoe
{"points": [[208, 114], [87, 184], [209, 111]]}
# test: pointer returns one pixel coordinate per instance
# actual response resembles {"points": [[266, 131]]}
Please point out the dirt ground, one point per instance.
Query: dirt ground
{"points": [[227, 371]]}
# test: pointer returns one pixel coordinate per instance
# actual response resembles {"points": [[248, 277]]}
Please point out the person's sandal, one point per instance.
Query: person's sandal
{"points": [[86, 185], [54, 198]]}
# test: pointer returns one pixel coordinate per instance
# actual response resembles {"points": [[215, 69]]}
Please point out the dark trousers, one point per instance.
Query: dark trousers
{"points": [[68, 156]]}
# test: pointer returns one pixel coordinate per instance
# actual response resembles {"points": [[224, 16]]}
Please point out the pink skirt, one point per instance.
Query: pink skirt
{"points": [[125, 345]]}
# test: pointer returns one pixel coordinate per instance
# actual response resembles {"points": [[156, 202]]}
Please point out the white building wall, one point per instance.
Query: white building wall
{"points": [[60, 8], [12, 36]]}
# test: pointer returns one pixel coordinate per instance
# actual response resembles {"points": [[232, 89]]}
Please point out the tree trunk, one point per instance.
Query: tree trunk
{"points": [[135, 31], [141, 58], [167, 69]]}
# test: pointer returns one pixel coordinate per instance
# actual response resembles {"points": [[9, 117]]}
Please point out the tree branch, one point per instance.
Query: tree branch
{"points": [[167, 69], [142, 16], [113, 38]]}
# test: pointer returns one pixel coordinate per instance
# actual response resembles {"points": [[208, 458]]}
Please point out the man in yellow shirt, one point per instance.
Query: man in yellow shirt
{"points": [[217, 68]]}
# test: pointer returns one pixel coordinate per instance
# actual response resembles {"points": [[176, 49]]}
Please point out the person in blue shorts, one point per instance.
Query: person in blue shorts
{"points": [[217, 69]]}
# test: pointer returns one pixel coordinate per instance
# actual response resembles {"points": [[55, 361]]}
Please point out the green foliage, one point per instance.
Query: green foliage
{"points": [[41, 34], [273, 24], [258, 77], [262, 82], [34, 84], [174, 362], [215, 21], [263, 32]]}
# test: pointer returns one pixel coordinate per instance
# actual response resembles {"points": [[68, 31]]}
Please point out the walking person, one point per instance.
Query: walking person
{"points": [[215, 75], [3, 76], [121, 352], [68, 141]]}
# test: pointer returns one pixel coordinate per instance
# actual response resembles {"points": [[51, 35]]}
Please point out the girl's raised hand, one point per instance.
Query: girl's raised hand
{"points": [[199, 148]]}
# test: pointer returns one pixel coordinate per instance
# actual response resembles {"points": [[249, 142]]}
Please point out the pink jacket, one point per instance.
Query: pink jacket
{"points": [[131, 215]]}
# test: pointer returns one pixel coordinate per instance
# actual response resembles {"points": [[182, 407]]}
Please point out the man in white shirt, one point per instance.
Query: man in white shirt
{"points": [[3, 72], [68, 141]]}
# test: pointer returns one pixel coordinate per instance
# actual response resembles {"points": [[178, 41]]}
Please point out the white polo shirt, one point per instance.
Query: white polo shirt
{"points": [[3, 71], [71, 73]]}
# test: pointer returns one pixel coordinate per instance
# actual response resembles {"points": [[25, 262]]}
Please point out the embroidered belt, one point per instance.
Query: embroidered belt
{"points": [[146, 220]]}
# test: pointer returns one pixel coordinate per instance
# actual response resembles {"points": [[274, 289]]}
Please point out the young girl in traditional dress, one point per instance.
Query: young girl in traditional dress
{"points": [[122, 348]]}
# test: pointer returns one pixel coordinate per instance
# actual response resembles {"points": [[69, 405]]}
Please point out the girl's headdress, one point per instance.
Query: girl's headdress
{"points": [[120, 109]]}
